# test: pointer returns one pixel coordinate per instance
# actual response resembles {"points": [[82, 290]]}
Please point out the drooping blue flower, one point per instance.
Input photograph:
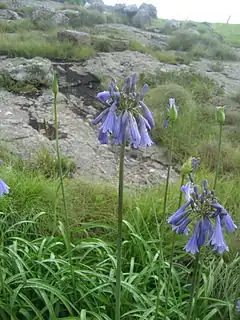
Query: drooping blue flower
{"points": [[4, 188], [192, 246], [126, 117], [238, 306], [217, 239], [210, 217]]}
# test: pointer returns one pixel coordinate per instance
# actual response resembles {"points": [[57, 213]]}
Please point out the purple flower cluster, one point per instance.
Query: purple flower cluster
{"points": [[126, 117], [210, 216], [4, 188]]}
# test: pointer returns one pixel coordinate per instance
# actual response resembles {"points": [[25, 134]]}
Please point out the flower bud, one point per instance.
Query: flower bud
{"points": [[173, 113], [187, 167], [220, 115], [55, 84]]}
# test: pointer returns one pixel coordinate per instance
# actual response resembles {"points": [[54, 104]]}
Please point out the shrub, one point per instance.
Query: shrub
{"points": [[87, 18], [183, 40], [16, 26], [216, 66]]}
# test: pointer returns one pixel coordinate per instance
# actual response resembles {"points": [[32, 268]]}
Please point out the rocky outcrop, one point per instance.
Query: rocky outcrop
{"points": [[95, 5], [150, 9], [74, 36], [27, 126], [130, 10], [6, 14], [141, 19], [59, 18], [36, 71]]}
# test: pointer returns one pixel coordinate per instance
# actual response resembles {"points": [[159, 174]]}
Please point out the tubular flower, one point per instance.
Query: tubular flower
{"points": [[126, 117], [209, 216]]}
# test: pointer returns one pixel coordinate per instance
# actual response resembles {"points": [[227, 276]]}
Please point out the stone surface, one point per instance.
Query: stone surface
{"points": [[141, 19], [95, 5], [42, 12], [119, 64], [172, 24], [131, 10], [35, 71], [151, 10], [75, 36], [60, 18], [7, 14]]}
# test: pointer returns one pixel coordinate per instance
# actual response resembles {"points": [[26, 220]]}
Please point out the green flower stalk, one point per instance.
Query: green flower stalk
{"points": [[187, 169], [126, 120], [67, 228], [220, 117], [172, 117]]}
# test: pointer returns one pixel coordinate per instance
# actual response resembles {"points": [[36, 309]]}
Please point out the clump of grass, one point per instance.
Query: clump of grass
{"points": [[231, 32], [48, 164], [201, 87], [32, 45], [216, 66], [3, 5], [104, 44], [17, 86], [236, 97], [16, 26]]}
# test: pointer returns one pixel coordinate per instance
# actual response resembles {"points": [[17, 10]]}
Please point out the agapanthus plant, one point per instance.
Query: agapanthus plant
{"points": [[126, 113], [210, 217]]}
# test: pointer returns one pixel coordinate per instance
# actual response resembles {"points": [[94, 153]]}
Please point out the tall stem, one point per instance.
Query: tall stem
{"points": [[168, 172], [219, 155], [67, 228], [171, 257], [164, 214], [119, 237], [194, 289]]}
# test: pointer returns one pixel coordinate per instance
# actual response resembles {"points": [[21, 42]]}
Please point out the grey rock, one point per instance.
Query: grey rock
{"points": [[33, 71], [151, 9], [75, 36], [95, 5], [7, 14], [42, 13], [172, 24], [131, 10], [70, 13], [119, 7], [141, 19], [193, 32], [60, 18]]}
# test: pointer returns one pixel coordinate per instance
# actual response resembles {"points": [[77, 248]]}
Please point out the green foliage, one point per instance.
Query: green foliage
{"points": [[32, 45], [231, 32], [87, 18], [36, 275], [16, 26], [104, 44], [203, 45], [216, 66], [16, 86], [3, 5], [48, 164]]}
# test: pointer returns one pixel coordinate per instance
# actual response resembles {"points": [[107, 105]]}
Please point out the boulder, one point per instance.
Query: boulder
{"points": [[74, 36], [172, 24], [141, 19], [6, 14], [41, 13], [37, 71], [151, 10], [60, 18], [95, 5], [131, 10], [119, 7]]}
